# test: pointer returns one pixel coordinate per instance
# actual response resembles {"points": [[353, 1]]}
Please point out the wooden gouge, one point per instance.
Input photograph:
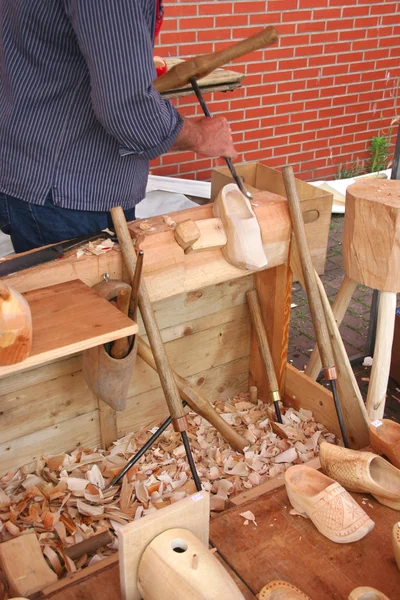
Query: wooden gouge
{"points": [[200, 66]]}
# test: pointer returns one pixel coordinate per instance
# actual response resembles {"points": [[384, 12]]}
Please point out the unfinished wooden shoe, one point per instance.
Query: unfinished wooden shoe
{"points": [[281, 590], [244, 248], [384, 437], [362, 472], [332, 510], [396, 542], [367, 593]]}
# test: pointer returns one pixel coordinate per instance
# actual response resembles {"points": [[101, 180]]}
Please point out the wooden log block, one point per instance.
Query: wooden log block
{"points": [[24, 565], [371, 236]]}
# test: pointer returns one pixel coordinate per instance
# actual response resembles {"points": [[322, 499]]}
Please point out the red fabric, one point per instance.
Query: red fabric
{"points": [[159, 17]]}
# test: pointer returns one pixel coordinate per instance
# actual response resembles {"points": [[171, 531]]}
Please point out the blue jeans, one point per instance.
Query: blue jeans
{"points": [[31, 225]]}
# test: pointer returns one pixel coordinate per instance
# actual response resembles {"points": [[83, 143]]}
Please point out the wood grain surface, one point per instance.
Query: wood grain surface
{"points": [[289, 547], [67, 318]]}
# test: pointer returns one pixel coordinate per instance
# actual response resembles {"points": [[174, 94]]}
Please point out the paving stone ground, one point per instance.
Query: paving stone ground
{"points": [[354, 329]]}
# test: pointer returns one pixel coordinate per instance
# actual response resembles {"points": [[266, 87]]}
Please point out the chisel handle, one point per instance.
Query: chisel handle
{"points": [[314, 300], [200, 66]]}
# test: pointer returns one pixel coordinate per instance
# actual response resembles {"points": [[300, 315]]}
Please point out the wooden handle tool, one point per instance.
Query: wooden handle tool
{"points": [[200, 66], [265, 351], [314, 300], [195, 399], [161, 359], [120, 348]]}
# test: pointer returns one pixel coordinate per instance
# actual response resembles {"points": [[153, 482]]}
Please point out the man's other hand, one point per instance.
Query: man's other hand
{"points": [[207, 136]]}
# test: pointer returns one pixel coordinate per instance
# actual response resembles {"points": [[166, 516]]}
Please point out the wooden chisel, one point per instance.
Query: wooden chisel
{"points": [[200, 66]]}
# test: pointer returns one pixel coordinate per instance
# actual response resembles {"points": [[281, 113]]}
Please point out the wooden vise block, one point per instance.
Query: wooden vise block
{"points": [[371, 256], [24, 565]]}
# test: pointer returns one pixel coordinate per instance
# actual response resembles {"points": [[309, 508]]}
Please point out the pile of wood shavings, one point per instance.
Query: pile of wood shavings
{"points": [[65, 499]]}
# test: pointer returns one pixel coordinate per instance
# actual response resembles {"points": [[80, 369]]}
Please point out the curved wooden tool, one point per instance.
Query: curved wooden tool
{"points": [[244, 247], [371, 256], [314, 300], [15, 326], [176, 565], [339, 308], [200, 66], [355, 415], [194, 397], [264, 349]]}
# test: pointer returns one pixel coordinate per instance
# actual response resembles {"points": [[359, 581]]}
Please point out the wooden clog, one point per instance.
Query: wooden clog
{"points": [[362, 472], [367, 593], [332, 510], [396, 543], [15, 326], [281, 590], [384, 437], [244, 248]]}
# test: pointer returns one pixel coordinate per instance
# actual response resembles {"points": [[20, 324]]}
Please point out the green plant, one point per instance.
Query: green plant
{"points": [[379, 148], [346, 172]]}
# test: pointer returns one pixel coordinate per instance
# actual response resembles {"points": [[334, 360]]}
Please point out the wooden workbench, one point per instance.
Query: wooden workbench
{"points": [[282, 546]]}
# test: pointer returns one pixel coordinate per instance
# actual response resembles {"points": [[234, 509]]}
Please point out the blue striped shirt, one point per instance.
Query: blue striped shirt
{"points": [[78, 113]]}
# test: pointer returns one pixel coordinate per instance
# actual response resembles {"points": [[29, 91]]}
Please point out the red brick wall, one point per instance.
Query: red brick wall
{"points": [[314, 100]]}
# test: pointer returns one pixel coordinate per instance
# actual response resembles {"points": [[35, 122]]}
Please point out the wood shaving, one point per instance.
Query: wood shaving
{"points": [[65, 499], [97, 249], [248, 516]]}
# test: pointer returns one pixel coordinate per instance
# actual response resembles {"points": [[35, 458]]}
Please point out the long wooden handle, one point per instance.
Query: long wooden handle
{"points": [[339, 308], [200, 66], [262, 340], [197, 402], [120, 348], [314, 300], [163, 367], [379, 377]]}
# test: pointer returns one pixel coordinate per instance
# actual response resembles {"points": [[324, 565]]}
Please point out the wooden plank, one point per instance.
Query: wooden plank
{"points": [[68, 318], [45, 404], [289, 547], [82, 430], [301, 391], [46, 372]]}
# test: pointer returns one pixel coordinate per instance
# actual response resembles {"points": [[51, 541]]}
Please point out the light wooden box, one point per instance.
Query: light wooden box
{"points": [[261, 177]]}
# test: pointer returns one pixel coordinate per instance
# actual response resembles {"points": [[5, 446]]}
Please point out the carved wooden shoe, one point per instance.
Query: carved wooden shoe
{"points": [[367, 593], [332, 510], [396, 542], [244, 248], [384, 437], [281, 590], [362, 472]]}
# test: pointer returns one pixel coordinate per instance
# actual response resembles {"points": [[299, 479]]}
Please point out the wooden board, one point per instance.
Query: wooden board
{"points": [[289, 547], [68, 318]]}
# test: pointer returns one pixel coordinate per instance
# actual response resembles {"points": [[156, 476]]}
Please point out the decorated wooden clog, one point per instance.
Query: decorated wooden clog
{"points": [[332, 510], [281, 590], [362, 472], [384, 437]]}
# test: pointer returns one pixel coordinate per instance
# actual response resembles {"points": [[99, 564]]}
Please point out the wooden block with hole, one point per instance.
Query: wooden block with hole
{"points": [[24, 565], [192, 513]]}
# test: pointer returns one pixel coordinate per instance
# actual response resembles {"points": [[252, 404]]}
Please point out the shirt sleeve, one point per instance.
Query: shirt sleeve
{"points": [[116, 40]]}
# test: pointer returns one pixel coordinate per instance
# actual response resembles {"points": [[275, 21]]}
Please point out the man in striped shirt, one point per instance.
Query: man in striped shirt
{"points": [[79, 118]]}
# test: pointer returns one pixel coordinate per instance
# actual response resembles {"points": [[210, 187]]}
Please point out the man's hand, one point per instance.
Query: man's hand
{"points": [[207, 136]]}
